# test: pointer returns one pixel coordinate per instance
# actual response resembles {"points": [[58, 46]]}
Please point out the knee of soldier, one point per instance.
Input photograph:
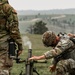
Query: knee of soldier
{"points": [[71, 64]]}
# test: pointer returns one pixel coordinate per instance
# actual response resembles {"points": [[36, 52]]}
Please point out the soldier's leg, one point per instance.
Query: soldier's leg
{"points": [[4, 72], [66, 67], [61, 69], [71, 66], [5, 65]]}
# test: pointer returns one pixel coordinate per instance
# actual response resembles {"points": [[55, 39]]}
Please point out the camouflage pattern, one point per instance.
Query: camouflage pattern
{"points": [[5, 64], [64, 67], [62, 45], [3, 1], [8, 29], [48, 38]]}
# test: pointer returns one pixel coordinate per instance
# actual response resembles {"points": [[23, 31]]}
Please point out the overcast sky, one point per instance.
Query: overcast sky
{"points": [[42, 4]]}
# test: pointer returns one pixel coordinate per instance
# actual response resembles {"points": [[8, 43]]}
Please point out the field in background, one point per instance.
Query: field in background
{"points": [[56, 23], [38, 49]]}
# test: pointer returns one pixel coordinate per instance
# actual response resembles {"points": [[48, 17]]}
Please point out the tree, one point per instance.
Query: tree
{"points": [[39, 27]]}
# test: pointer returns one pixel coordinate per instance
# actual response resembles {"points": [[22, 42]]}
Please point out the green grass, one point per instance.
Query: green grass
{"points": [[37, 49]]}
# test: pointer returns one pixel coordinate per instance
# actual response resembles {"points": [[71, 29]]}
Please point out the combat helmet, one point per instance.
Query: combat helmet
{"points": [[48, 38]]}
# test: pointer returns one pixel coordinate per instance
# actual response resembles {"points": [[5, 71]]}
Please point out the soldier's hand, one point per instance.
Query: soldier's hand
{"points": [[37, 57], [52, 68], [69, 34], [33, 58], [19, 52]]}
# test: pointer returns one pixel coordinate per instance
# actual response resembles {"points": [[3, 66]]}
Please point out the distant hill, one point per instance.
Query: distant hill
{"points": [[54, 11], [57, 20]]}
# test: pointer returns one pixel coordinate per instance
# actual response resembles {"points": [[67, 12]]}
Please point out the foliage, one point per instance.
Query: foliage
{"points": [[38, 28]]}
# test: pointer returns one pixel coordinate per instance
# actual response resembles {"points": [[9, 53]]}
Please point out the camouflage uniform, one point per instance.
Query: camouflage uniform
{"points": [[62, 45], [8, 29], [65, 67]]}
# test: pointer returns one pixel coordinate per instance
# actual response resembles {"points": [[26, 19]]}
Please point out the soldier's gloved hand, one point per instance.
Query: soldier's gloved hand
{"points": [[19, 52], [52, 68]]}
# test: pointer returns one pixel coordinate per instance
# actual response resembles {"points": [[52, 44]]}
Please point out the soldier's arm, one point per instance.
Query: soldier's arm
{"points": [[37, 57], [71, 35], [48, 55], [12, 25]]}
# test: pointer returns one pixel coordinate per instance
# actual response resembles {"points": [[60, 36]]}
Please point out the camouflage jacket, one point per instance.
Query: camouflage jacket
{"points": [[63, 44], [63, 66], [9, 25]]}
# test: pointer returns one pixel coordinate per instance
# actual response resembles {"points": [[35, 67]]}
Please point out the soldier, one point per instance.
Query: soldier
{"points": [[59, 45], [8, 29]]}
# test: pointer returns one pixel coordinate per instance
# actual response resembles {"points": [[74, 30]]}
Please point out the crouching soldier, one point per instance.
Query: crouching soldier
{"points": [[59, 45]]}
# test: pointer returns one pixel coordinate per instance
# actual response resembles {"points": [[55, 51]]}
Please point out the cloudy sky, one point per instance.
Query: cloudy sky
{"points": [[42, 4]]}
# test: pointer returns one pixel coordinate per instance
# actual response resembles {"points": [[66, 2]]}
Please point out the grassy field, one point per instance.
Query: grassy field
{"points": [[37, 49]]}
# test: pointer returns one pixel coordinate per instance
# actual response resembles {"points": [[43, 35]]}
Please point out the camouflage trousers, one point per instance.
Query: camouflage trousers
{"points": [[5, 64], [65, 67]]}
